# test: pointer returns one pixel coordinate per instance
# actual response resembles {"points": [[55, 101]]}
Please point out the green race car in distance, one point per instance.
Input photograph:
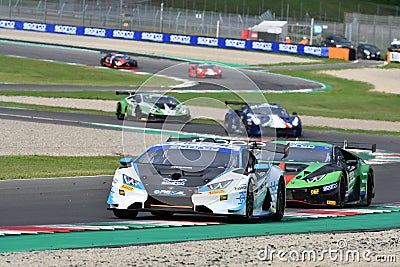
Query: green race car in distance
{"points": [[151, 107], [323, 174]]}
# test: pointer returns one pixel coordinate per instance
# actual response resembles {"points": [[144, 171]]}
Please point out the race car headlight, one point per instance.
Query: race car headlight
{"points": [[219, 185], [295, 121], [154, 109], [129, 180], [367, 52], [183, 110], [315, 178]]}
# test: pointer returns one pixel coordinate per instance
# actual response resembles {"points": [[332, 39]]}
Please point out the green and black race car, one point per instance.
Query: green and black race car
{"points": [[151, 107], [323, 174]]}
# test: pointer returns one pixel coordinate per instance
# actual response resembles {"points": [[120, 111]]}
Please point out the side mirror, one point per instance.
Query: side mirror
{"points": [[126, 162], [294, 113], [262, 167]]}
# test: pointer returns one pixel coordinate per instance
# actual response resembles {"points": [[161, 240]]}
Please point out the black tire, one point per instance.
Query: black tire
{"points": [[298, 132], [138, 113], [342, 192], [162, 214], [281, 201], [102, 62], [248, 217], [119, 114], [370, 188], [125, 214]]}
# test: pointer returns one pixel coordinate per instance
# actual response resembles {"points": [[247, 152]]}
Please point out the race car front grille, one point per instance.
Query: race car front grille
{"points": [[299, 194], [163, 201], [135, 206], [289, 194], [203, 209]]}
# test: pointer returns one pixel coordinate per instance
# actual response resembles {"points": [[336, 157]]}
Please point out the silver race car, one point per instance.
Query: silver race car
{"points": [[204, 176]]}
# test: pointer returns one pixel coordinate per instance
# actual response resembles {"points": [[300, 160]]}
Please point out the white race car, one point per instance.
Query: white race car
{"points": [[203, 176]]}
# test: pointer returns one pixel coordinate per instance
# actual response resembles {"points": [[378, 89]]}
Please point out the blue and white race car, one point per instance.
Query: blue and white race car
{"points": [[258, 119], [199, 176]]}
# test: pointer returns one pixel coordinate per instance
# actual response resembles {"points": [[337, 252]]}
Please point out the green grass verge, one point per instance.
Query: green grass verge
{"points": [[33, 71], [393, 65], [316, 62], [22, 167]]}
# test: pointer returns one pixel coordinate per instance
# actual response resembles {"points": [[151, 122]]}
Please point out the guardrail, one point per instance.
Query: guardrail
{"points": [[228, 43]]}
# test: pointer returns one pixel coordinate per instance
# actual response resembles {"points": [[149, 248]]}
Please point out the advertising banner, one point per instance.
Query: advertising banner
{"points": [[228, 43]]}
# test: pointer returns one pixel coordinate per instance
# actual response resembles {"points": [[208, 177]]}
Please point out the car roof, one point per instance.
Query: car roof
{"points": [[117, 54], [156, 95], [252, 105], [306, 144], [206, 65], [366, 44], [190, 145]]}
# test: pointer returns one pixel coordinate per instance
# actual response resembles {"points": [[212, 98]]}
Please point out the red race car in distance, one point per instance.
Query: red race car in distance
{"points": [[118, 61], [204, 70]]}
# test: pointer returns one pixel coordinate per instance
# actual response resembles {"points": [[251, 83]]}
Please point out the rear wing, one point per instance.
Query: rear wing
{"points": [[105, 52], [190, 139], [227, 102], [125, 92], [252, 145], [360, 146], [108, 51], [272, 147]]}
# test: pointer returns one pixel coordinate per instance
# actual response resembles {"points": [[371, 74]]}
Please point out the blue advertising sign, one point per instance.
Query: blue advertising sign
{"points": [[207, 41], [229, 43], [7, 24], [318, 51]]}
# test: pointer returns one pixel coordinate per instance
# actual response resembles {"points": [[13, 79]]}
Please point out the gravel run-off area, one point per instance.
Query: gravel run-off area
{"points": [[380, 248], [48, 139]]}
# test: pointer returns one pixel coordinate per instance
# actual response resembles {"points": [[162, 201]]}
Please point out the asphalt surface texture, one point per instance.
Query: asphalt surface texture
{"points": [[233, 79]]}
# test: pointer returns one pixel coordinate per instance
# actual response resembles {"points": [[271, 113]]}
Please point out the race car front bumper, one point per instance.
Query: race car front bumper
{"points": [[312, 196], [157, 117]]}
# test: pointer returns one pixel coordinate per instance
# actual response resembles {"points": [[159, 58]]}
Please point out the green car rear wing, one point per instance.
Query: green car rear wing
{"points": [[125, 92], [361, 146]]}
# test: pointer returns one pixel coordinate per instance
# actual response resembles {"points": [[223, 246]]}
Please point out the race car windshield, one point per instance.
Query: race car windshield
{"points": [[208, 67], [190, 158], [266, 110], [341, 39], [306, 155], [123, 56], [368, 46], [161, 100]]}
